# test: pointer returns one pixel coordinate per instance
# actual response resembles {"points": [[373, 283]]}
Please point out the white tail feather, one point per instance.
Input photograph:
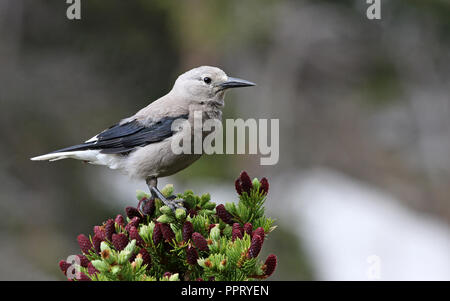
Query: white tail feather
{"points": [[86, 155]]}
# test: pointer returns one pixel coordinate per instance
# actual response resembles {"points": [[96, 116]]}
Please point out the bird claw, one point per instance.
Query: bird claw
{"points": [[171, 197], [169, 201], [175, 203]]}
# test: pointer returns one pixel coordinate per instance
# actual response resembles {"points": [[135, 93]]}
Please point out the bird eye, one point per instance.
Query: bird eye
{"points": [[207, 80]]}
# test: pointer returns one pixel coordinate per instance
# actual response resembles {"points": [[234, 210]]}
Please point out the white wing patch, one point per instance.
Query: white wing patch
{"points": [[92, 139]]}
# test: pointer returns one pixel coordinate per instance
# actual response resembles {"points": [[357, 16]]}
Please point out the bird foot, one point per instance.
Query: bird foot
{"points": [[169, 201]]}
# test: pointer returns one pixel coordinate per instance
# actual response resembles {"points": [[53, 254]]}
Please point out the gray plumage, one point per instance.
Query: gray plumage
{"points": [[140, 145]]}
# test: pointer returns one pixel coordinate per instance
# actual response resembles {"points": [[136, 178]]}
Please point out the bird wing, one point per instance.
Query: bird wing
{"points": [[123, 138]]}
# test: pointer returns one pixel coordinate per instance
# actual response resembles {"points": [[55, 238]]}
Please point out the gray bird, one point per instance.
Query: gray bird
{"points": [[140, 145]]}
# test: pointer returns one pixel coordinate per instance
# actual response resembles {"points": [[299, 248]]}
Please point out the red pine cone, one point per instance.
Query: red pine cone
{"points": [[99, 231], [96, 241], [157, 234], [109, 229], [264, 185], [84, 243], [248, 228], [84, 277], [238, 227], [83, 260], [255, 247], [134, 234], [146, 258], [236, 232], [91, 269], [149, 207], [237, 185], [260, 232], [192, 212], [188, 229], [200, 242], [246, 182], [119, 220], [191, 255], [167, 232], [63, 265], [133, 223], [270, 265], [224, 215], [119, 241], [132, 212]]}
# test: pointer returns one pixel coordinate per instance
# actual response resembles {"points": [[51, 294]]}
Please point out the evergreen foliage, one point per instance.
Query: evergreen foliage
{"points": [[204, 242]]}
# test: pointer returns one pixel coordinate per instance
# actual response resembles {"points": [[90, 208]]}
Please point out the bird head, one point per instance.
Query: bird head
{"points": [[207, 84]]}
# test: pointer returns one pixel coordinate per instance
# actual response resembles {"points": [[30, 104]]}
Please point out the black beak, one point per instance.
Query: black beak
{"points": [[234, 82]]}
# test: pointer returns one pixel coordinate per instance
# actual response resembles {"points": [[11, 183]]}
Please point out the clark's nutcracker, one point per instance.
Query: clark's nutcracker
{"points": [[141, 144]]}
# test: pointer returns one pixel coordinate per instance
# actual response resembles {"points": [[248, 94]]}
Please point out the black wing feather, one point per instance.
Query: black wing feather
{"points": [[123, 138], [120, 130]]}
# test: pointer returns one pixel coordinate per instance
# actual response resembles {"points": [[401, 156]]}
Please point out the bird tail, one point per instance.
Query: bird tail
{"points": [[85, 155]]}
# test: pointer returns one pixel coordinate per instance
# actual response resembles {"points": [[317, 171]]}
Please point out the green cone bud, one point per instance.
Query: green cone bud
{"points": [[165, 210], [164, 219], [215, 233], [180, 214], [151, 228], [115, 269], [209, 206], [138, 262], [167, 190], [256, 184], [104, 246], [189, 199], [100, 265], [131, 245], [204, 199], [145, 232], [141, 195], [124, 256], [174, 277], [107, 254]]}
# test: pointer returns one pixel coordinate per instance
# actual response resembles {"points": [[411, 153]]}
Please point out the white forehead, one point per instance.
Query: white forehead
{"points": [[203, 71]]}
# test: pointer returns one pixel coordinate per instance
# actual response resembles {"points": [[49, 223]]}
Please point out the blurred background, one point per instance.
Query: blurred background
{"points": [[363, 180]]}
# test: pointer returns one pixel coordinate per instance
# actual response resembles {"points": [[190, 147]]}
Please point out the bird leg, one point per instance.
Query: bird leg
{"points": [[170, 201]]}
